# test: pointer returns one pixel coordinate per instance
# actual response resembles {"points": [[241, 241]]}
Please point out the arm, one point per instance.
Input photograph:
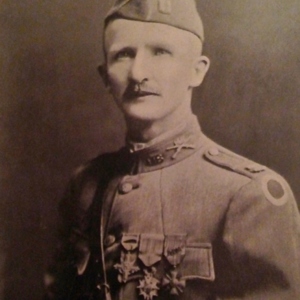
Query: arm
{"points": [[262, 235], [63, 279]]}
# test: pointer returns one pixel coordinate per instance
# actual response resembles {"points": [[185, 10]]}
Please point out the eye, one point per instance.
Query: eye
{"points": [[124, 54], [161, 51]]}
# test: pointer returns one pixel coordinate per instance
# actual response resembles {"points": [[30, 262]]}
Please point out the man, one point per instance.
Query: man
{"points": [[172, 215]]}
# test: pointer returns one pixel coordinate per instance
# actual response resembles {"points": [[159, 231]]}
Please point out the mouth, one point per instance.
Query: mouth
{"points": [[144, 93], [129, 95]]}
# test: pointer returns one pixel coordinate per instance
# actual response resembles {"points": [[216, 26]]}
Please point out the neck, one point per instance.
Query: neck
{"points": [[146, 130]]}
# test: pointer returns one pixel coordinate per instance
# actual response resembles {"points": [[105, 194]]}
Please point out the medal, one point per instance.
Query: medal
{"points": [[174, 249], [151, 248], [174, 252], [150, 253], [128, 260], [173, 282], [127, 266], [148, 286]]}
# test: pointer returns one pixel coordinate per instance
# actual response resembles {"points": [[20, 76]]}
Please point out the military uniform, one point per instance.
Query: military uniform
{"points": [[181, 219], [177, 218]]}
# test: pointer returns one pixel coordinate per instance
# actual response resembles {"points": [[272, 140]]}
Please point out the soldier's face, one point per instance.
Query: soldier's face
{"points": [[152, 68]]}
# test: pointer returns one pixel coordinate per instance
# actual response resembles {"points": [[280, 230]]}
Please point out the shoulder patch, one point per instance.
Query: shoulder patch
{"points": [[236, 163], [274, 189]]}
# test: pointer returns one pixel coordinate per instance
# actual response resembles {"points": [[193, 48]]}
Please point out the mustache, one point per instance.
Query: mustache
{"points": [[135, 89]]}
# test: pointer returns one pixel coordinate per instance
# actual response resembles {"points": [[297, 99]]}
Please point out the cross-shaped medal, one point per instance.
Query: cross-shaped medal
{"points": [[174, 283]]}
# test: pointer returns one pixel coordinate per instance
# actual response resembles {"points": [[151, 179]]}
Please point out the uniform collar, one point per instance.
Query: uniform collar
{"points": [[167, 149], [135, 147]]}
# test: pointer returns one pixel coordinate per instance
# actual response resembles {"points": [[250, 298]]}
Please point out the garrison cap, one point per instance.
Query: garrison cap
{"points": [[182, 14]]}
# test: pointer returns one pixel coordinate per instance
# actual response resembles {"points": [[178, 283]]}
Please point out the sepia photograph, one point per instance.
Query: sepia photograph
{"points": [[150, 150]]}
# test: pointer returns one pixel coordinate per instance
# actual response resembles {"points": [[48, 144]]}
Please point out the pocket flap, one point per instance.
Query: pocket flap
{"points": [[198, 262]]}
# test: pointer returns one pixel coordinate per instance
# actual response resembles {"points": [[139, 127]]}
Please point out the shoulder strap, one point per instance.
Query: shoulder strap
{"points": [[236, 163]]}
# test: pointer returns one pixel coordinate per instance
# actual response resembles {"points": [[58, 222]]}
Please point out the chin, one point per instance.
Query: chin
{"points": [[142, 113], [145, 116]]}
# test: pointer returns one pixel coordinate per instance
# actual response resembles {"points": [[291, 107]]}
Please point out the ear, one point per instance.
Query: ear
{"points": [[200, 68], [103, 73]]}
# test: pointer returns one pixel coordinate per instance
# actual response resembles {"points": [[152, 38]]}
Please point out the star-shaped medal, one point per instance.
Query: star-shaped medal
{"points": [[149, 285]]}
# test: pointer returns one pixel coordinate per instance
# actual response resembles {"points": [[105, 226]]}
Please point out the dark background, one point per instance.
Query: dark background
{"points": [[55, 113]]}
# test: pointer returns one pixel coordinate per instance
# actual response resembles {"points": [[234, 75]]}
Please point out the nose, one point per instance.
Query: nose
{"points": [[139, 71]]}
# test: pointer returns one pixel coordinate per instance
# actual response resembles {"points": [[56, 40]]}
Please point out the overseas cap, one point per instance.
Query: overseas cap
{"points": [[182, 14]]}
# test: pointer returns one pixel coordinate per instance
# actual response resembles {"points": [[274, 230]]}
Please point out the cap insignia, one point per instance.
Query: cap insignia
{"points": [[165, 6]]}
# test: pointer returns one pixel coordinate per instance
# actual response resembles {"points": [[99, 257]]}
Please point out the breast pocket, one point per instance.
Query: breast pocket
{"points": [[198, 262]]}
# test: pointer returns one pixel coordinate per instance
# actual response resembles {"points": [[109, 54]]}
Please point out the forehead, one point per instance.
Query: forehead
{"points": [[125, 33]]}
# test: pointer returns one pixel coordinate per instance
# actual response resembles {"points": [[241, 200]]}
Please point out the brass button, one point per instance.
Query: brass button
{"points": [[213, 151], [109, 240], [126, 187]]}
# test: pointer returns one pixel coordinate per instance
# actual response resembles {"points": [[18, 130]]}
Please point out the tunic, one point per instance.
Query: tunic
{"points": [[181, 219]]}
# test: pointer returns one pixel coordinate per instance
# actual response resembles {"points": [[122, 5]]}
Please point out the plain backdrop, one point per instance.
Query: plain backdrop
{"points": [[56, 114]]}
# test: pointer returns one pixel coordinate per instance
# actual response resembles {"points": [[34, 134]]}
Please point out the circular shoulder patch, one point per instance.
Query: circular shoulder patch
{"points": [[274, 190]]}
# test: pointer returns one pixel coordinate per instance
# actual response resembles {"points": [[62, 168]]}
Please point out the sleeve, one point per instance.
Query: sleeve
{"points": [[262, 237], [63, 278]]}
